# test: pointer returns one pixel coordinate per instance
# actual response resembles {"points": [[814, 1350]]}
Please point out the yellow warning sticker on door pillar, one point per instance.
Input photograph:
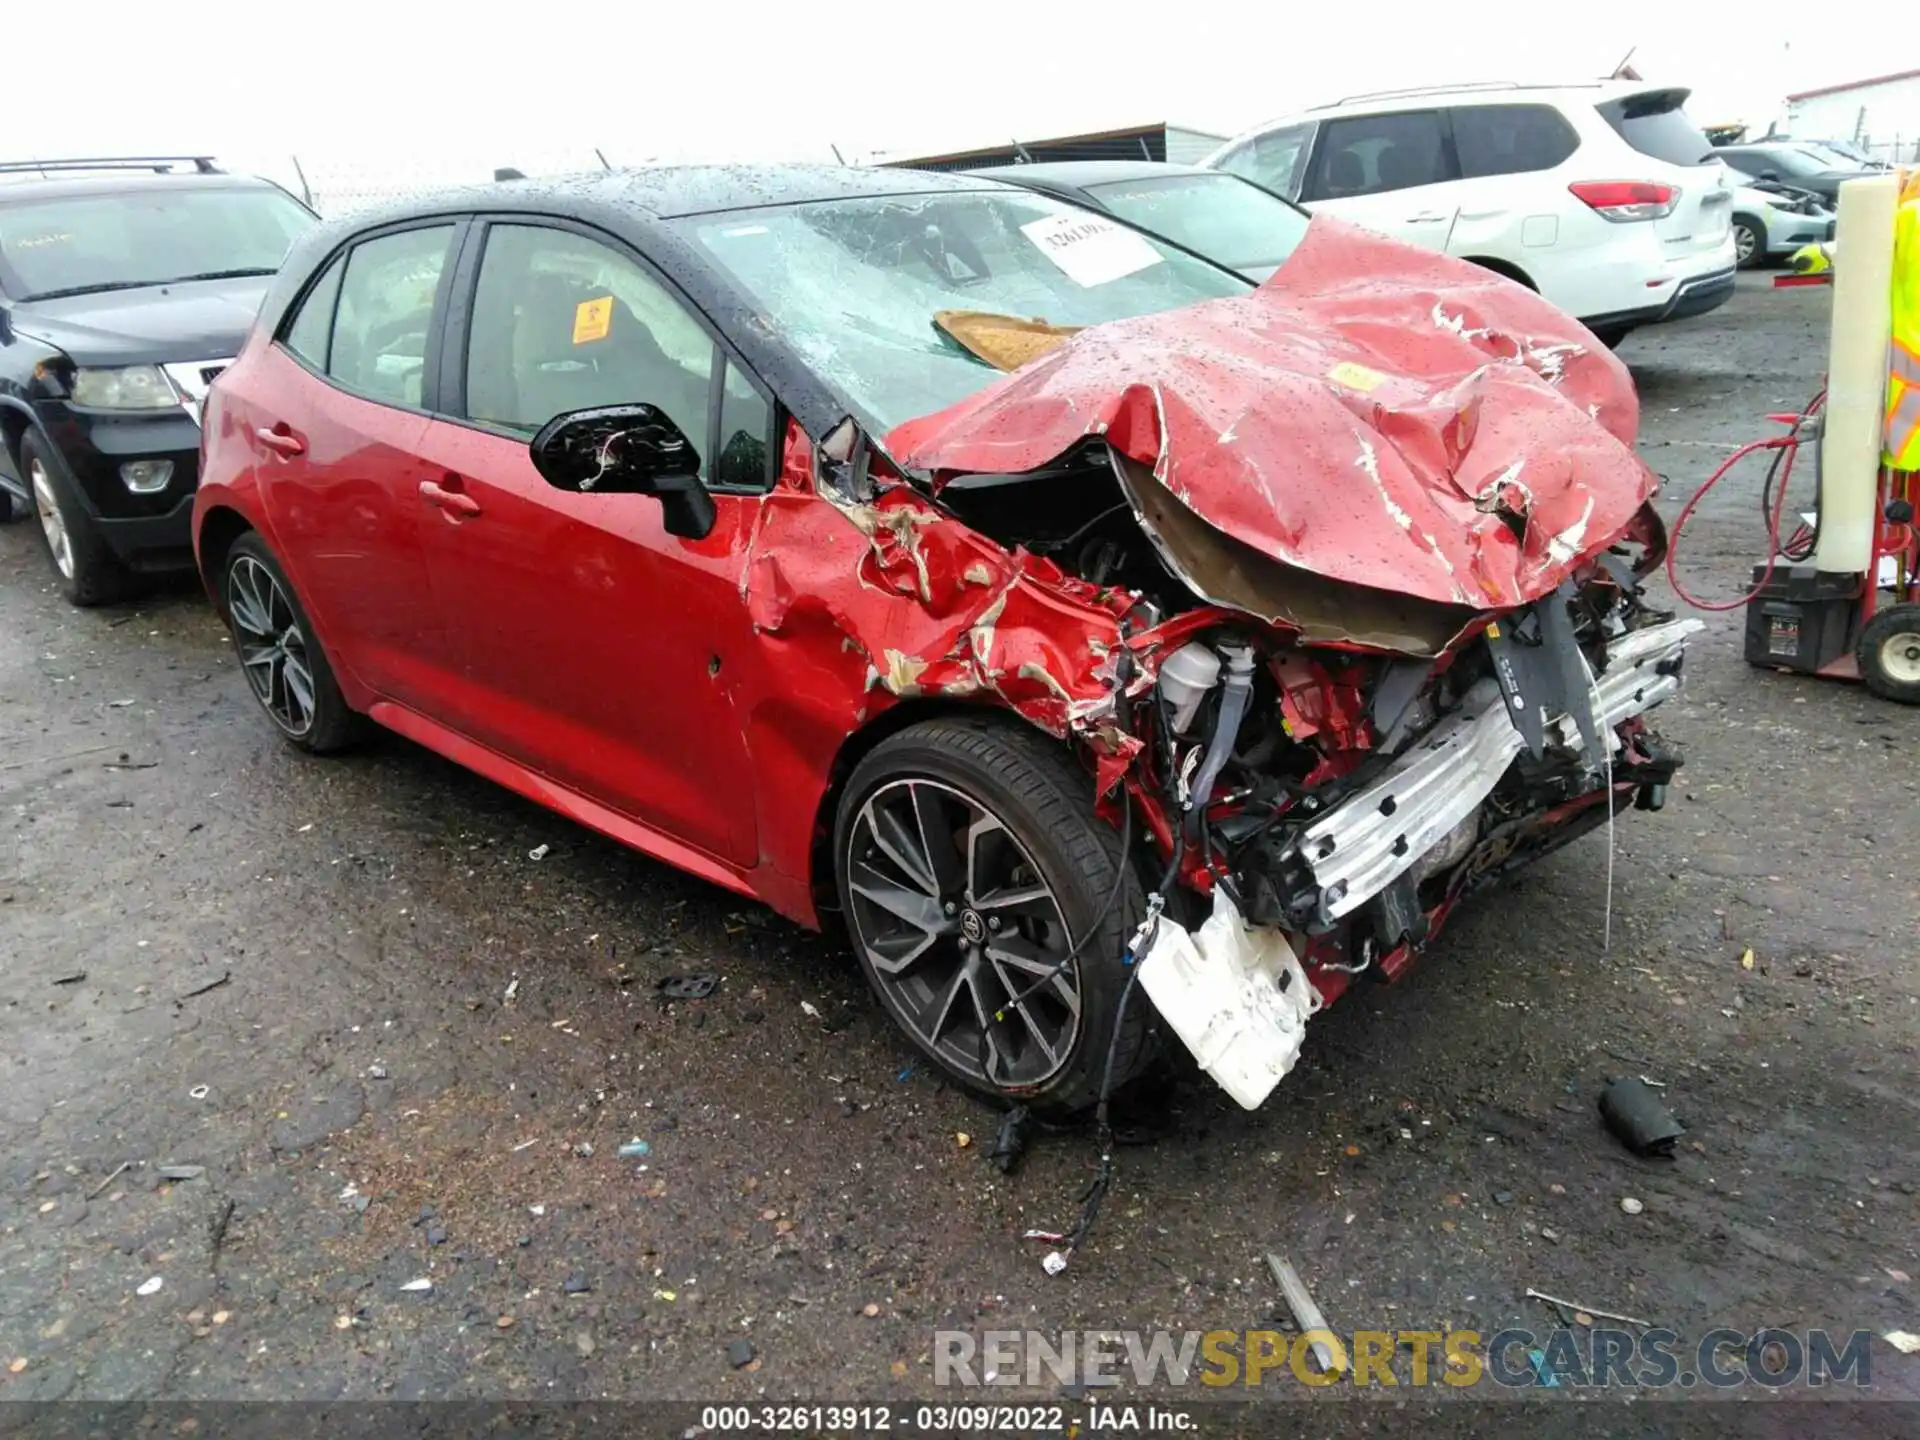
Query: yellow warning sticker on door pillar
{"points": [[592, 319]]}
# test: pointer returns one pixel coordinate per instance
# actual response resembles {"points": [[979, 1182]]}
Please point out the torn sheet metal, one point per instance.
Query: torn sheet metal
{"points": [[1228, 572], [1235, 995], [979, 622], [1373, 414]]}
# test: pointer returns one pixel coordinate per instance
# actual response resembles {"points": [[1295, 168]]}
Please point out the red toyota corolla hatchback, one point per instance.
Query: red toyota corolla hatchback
{"points": [[1053, 605]]}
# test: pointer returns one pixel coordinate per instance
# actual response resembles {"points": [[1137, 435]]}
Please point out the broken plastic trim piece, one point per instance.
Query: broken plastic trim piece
{"points": [[688, 987], [1639, 1117], [1235, 995]]}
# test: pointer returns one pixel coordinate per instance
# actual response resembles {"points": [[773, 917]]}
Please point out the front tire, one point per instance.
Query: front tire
{"points": [[969, 860], [279, 654], [85, 568], [1888, 654], [1749, 242]]}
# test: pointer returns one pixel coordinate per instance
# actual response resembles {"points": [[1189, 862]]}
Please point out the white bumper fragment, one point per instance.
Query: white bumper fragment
{"points": [[1235, 995]]}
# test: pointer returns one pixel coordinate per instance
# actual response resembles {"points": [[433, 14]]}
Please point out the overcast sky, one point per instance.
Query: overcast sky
{"points": [[448, 91]]}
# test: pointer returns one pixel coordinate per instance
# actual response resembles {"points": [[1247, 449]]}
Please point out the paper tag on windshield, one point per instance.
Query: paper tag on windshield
{"points": [[1090, 251]]}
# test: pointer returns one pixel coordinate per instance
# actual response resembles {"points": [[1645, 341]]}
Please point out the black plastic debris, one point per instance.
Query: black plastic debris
{"points": [[740, 1354], [1011, 1143], [687, 987], [1638, 1118]]}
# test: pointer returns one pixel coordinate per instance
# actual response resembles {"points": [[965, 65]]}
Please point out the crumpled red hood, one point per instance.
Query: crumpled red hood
{"points": [[1373, 413]]}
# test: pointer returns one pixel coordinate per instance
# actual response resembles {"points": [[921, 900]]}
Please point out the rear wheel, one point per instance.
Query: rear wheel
{"points": [[1888, 654], [1749, 242], [86, 569], [285, 667], [969, 863]]}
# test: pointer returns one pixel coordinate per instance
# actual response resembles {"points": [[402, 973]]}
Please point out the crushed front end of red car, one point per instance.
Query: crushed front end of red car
{"points": [[1337, 584]]}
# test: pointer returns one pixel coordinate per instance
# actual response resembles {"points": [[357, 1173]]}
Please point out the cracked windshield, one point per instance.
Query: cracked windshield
{"points": [[856, 285]]}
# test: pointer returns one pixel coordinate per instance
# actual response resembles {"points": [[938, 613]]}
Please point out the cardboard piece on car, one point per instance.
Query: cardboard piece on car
{"points": [[1005, 342]]}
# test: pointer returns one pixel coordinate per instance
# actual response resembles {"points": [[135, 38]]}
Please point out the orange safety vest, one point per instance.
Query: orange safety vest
{"points": [[1903, 381]]}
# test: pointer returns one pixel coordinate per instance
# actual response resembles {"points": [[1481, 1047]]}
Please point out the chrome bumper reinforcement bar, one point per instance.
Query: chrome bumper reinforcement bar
{"points": [[1370, 839]]}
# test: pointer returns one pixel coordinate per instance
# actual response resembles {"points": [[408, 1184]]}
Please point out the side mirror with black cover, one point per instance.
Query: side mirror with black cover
{"points": [[627, 450]]}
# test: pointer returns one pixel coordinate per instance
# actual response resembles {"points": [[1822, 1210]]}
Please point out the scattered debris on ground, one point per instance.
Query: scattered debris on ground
{"points": [[1639, 1118], [1306, 1314], [1011, 1143], [1573, 1310], [686, 987]]}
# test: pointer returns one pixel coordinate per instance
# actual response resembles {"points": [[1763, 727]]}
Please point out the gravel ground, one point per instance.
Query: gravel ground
{"points": [[386, 1038]]}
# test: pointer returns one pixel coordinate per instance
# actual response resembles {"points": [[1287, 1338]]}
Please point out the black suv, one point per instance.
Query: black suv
{"points": [[125, 286]]}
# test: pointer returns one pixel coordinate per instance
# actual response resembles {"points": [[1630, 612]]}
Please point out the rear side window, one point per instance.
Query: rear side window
{"points": [[1277, 159], [1373, 154], [1510, 139], [380, 326], [1656, 126], [312, 326]]}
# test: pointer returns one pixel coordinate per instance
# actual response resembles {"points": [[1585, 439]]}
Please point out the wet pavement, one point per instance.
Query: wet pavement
{"points": [[392, 1047]]}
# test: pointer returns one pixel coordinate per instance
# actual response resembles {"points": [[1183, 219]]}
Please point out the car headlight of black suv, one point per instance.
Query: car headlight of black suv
{"points": [[125, 387]]}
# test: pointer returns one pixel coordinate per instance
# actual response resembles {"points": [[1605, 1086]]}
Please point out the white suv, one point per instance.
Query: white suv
{"points": [[1604, 197]]}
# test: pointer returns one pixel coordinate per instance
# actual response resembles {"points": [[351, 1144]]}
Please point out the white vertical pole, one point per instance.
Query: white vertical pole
{"points": [[1857, 373]]}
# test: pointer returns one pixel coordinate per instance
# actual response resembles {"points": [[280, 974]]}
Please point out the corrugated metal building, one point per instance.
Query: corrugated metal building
{"points": [[1160, 141], [1882, 114]]}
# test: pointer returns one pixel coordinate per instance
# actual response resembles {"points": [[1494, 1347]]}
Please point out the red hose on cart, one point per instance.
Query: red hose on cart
{"points": [[1790, 443]]}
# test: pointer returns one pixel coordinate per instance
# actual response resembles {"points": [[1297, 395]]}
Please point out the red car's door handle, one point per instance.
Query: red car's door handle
{"points": [[279, 439], [449, 500]]}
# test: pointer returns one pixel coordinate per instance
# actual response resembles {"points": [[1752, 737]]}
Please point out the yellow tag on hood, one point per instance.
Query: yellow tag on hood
{"points": [[1356, 377]]}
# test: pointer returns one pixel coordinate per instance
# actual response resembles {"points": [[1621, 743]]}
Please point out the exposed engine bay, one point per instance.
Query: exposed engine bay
{"points": [[1335, 804]]}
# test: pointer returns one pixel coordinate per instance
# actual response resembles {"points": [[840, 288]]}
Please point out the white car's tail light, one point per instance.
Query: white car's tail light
{"points": [[1622, 200]]}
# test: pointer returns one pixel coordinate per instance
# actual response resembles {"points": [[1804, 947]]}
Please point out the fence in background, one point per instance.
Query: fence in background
{"points": [[1895, 150]]}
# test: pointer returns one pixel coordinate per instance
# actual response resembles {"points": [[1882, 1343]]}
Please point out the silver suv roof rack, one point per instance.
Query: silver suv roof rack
{"points": [[158, 164], [1421, 90]]}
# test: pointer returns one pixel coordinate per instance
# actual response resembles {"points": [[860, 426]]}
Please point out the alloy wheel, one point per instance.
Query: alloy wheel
{"points": [[1745, 242], [962, 933], [273, 648], [52, 525], [1900, 658]]}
